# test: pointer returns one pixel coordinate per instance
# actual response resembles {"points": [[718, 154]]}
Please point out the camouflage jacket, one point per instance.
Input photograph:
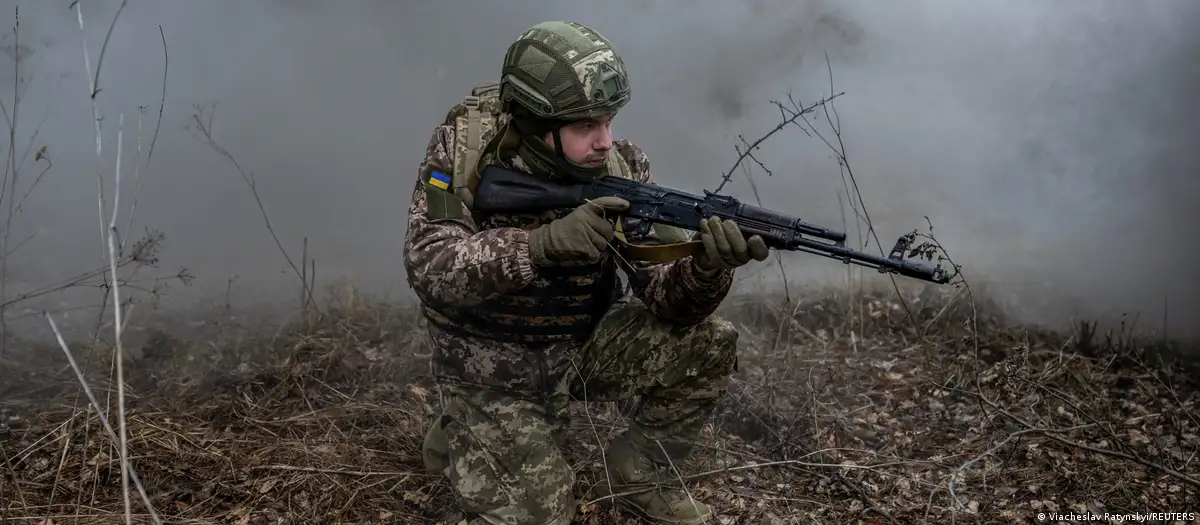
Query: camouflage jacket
{"points": [[455, 261]]}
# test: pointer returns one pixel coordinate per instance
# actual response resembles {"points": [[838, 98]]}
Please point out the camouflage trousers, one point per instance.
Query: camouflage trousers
{"points": [[505, 461]]}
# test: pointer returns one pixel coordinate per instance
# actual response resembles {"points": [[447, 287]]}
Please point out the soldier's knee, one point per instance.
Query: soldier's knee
{"points": [[712, 342], [720, 335], [723, 332]]}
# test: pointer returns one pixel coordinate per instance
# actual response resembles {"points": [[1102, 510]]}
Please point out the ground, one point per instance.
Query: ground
{"points": [[871, 407]]}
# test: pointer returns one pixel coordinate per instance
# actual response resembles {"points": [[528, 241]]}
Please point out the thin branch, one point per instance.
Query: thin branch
{"points": [[110, 235], [844, 161], [205, 129], [137, 482], [316, 470], [592, 424], [10, 177], [104, 47], [755, 145], [117, 324], [1114, 453], [87, 63], [163, 101], [958, 471], [137, 180], [682, 483]]}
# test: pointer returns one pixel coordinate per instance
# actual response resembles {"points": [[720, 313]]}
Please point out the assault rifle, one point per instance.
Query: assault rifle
{"points": [[501, 190]]}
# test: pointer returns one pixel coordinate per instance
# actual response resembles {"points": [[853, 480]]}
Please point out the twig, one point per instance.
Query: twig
{"points": [[205, 129], [844, 163], [317, 470], [162, 101], [682, 483], [592, 424], [1170, 390], [137, 185], [797, 463], [137, 482], [10, 177], [117, 324], [41, 155], [1114, 453], [87, 62], [788, 462], [754, 145], [998, 446], [137, 179], [109, 236], [139, 251]]}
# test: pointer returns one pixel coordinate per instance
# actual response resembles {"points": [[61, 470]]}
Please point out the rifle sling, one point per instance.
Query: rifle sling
{"points": [[656, 253]]}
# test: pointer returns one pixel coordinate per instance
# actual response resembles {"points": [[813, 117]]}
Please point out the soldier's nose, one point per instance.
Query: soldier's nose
{"points": [[603, 141]]}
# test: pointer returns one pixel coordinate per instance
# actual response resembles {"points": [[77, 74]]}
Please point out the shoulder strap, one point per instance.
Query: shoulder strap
{"points": [[465, 179]]}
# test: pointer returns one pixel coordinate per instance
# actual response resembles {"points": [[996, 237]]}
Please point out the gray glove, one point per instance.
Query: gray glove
{"points": [[725, 248], [581, 236]]}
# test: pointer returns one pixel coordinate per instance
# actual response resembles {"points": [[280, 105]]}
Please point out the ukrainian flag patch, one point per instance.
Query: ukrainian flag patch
{"points": [[439, 180]]}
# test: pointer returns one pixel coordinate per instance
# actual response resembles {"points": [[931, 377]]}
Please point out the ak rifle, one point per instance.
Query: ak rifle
{"points": [[502, 190]]}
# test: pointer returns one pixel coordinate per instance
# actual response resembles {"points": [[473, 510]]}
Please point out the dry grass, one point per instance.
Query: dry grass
{"points": [[835, 416]]}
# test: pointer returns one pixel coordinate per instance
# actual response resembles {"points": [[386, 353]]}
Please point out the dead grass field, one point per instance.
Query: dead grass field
{"points": [[843, 410]]}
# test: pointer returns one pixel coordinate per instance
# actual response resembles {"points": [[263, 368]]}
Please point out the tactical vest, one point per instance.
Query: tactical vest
{"points": [[562, 303]]}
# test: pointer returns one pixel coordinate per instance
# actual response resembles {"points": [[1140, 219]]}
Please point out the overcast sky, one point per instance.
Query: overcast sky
{"points": [[1047, 141]]}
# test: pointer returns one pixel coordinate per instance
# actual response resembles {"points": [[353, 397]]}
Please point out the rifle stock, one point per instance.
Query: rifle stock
{"points": [[502, 190]]}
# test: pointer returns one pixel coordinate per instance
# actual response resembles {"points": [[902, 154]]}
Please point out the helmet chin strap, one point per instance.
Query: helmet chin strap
{"points": [[566, 166], [550, 159]]}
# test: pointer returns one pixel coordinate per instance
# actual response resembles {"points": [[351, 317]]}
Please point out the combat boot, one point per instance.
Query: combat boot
{"points": [[436, 449], [632, 465]]}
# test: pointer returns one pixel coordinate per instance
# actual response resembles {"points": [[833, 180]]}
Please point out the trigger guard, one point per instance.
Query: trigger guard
{"points": [[643, 228]]}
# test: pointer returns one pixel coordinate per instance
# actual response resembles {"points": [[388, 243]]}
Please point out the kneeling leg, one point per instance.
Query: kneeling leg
{"points": [[504, 465]]}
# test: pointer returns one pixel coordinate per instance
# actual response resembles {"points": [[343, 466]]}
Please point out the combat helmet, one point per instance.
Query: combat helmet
{"points": [[555, 73]]}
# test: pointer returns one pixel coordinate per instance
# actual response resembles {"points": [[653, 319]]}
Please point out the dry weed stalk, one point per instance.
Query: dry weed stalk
{"points": [[932, 249], [113, 249], [119, 358], [202, 119], [10, 173], [127, 472], [746, 150], [793, 113], [13, 166], [1124, 344], [324, 433]]}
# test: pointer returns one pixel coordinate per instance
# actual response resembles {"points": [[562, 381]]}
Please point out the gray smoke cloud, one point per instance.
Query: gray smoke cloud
{"points": [[1049, 143]]}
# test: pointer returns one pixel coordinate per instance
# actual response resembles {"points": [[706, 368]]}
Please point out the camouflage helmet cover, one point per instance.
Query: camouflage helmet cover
{"points": [[564, 71]]}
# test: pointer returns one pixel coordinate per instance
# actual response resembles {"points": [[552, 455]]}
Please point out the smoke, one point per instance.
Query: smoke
{"points": [[1049, 144]]}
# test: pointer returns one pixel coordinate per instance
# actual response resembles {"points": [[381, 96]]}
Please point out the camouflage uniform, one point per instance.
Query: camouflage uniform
{"points": [[510, 353]]}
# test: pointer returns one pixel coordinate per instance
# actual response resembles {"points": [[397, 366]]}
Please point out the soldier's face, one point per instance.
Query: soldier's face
{"points": [[585, 142]]}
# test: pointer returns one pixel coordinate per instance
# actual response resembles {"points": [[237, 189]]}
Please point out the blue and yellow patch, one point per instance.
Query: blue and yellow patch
{"points": [[439, 180]]}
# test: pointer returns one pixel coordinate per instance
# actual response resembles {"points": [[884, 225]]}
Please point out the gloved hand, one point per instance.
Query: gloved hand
{"points": [[581, 236], [725, 248]]}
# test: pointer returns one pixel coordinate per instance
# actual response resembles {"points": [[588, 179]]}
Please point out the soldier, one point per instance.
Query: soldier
{"points": [[526, 312]]}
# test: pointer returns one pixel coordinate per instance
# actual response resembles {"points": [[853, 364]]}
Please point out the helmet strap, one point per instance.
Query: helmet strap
{"points": [[543, 159]]}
